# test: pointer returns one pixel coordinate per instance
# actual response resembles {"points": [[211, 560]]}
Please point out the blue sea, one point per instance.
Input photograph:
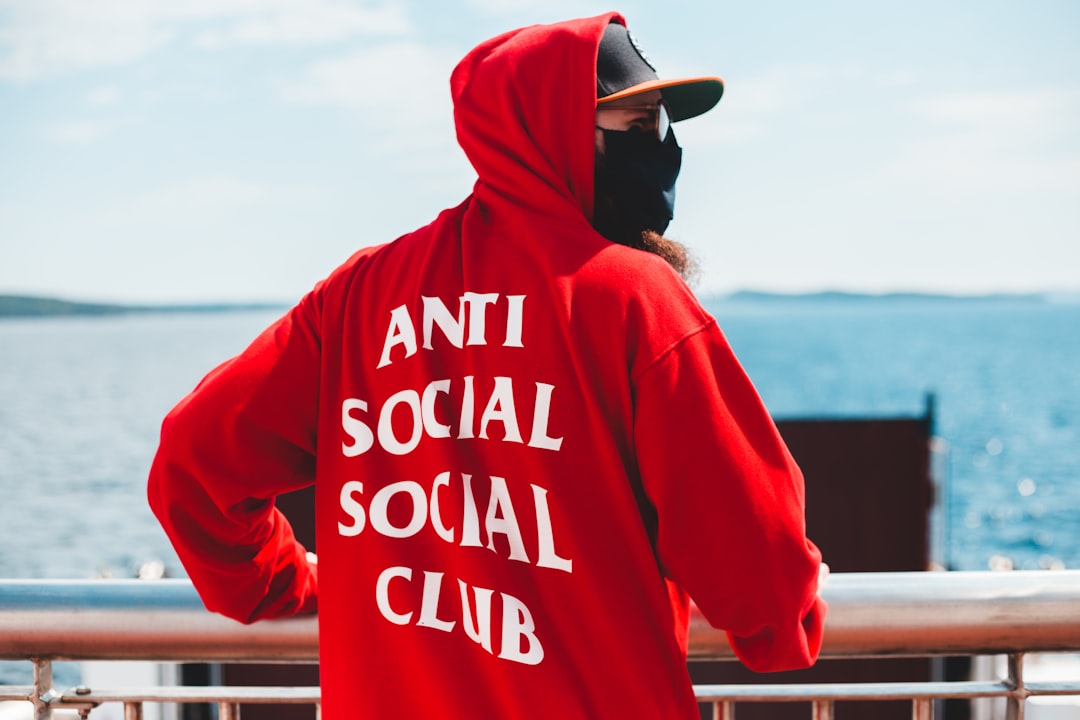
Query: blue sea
{"points": [[81, 400]]}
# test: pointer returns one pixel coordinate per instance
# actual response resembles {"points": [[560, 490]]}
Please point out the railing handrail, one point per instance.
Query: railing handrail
{"points": [[870, 614]]}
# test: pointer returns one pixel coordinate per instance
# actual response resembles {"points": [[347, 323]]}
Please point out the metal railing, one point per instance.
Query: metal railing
{"points": [[871, 615]]}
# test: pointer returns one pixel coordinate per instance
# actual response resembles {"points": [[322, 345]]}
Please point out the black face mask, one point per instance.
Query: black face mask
{"points": [[640, 172]]}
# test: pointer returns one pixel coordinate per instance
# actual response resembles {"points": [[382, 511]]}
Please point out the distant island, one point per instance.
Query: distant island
{"points": [[839, 296], [28, 306]]}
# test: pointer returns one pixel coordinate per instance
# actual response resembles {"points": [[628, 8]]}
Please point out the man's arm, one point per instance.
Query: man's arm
{"points": [[243, 436], [730, 503]]}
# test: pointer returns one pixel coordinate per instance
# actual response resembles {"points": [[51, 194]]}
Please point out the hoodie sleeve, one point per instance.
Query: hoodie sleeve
{"points": [[730, 504], [245, 435]]}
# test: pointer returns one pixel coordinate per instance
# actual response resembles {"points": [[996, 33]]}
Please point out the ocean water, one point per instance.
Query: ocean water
{"points": [[81, 401], [1005, 378]]}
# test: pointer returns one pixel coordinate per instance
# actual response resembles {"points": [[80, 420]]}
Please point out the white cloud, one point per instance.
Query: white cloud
{"points": [[221, 236], [206, 199], [1012, 140], [752, 106], [781, 89], [103, 96], [986, 162], [552, 9], [39, 38], [897, 78], [401, 78], [1032, 110], [303, 22], [77, 132], [42, 37], [409, 106]]}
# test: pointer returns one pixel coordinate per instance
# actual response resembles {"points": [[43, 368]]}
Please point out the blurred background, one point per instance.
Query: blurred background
{"points": [[209, 150], [885, 205]]}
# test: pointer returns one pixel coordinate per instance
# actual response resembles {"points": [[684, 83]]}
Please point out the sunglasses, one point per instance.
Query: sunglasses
{"points": [[658, 121]]}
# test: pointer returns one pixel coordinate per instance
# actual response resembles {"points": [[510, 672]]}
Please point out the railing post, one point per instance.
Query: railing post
{"points": [[922, 709], [1014, 707], [133, 711], [43, 689], [228, 711], [822, 710]]}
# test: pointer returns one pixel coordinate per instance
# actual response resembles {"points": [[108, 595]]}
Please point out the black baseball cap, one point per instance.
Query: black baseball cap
{"points": [[623, 69]]}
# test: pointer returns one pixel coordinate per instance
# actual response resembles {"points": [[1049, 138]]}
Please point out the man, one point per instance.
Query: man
{"points": [[637, 157], [528, 443]]}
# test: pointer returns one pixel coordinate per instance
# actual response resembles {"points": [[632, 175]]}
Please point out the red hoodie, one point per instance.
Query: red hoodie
{"points": [[528, 444]]}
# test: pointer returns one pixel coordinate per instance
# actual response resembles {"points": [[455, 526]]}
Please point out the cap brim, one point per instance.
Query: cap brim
{"points": [[684, 98]]}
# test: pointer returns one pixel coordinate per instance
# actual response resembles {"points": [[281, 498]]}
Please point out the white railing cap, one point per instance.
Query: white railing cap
{"points": [[932, 613]]}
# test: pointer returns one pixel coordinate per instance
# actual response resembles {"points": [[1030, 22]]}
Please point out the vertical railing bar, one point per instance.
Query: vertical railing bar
{"points": [[43, 689], [45, 698], [1014, 708], [922, 708]]}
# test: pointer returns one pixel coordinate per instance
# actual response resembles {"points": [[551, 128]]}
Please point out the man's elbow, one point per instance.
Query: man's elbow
{"points": [[795, 646]]}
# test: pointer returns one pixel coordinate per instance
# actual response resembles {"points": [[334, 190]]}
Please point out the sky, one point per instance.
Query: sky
{"points": [[239, 150]]}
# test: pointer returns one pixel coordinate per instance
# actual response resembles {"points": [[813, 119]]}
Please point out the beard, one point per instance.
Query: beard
{"points": [[622, 228]]}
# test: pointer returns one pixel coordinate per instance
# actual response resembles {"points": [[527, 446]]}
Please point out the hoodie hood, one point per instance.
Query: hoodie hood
{"points": [[524, 108]]}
